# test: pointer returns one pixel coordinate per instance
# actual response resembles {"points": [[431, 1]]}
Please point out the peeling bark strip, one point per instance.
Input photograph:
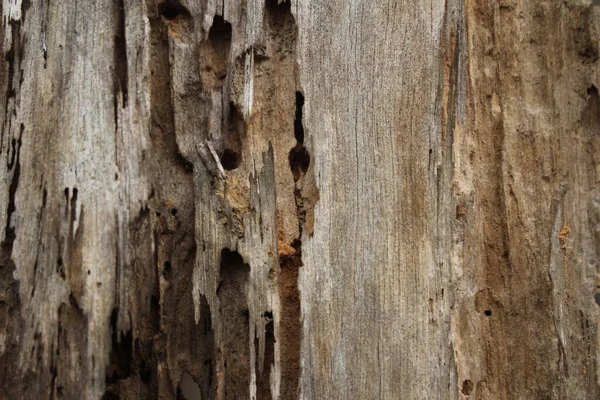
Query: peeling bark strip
{"points": [[299, 199]]}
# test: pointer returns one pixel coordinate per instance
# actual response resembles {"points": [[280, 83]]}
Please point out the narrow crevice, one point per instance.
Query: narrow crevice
{"points": [[119, 57], [53, 375], [73, 256], [290, 325], [60, 268], [298, 126], [167, 270], [9, 231], [299, 157], [299, 160], [45, 51], [235, 353], [10, 59], [11, 321], [15, 148], [281, 46], [206, 360], [13, 58], [121, 357], [263, 384], [233, 137]]}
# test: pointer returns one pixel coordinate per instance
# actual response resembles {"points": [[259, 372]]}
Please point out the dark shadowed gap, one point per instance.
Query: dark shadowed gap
{"points": [[214, 54], [230, 160], [263, 372], [298, 127], [283, 30], [121, 357], [235, 317], [233, 138], [120, 57], [299, 159], [172, 9], [290, 325]]}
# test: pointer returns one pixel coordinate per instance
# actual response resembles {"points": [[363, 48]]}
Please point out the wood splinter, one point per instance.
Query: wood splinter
{"points": [[210, 159]]}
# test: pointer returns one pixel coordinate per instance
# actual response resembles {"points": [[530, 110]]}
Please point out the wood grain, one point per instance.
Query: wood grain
{"points": [[299, 199]]}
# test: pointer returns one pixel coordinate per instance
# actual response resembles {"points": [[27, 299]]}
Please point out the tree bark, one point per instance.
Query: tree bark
{"points": [[271, 199]]}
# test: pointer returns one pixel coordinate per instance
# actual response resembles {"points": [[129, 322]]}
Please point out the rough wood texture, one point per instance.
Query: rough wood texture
{"points": [[313, 199]]}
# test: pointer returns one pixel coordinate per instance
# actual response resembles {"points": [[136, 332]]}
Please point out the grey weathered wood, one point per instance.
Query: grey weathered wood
{"points": [[305, 199]]}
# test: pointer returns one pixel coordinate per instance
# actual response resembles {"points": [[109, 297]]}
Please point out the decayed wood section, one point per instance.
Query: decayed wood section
{"points": [[300, 199]]}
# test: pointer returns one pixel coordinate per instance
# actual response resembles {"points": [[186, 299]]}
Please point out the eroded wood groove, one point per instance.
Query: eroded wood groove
{"points": [[299, 199]]}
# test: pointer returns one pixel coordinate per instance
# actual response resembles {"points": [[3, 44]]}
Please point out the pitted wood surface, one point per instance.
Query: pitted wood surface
{"points": [[300, 199]]}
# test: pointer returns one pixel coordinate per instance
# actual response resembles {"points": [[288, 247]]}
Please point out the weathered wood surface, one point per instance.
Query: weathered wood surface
{"points": [[306, 199]]}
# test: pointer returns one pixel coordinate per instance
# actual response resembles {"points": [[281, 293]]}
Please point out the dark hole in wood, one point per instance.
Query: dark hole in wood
{"points": [[154, 303], [298, 127], [60, 270], [299, 161], [121, 354], [263, 387], [467, 387], [172, 9], [220, 30], [230, 160], [488, 313], [167, 270], [145, 372]]}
